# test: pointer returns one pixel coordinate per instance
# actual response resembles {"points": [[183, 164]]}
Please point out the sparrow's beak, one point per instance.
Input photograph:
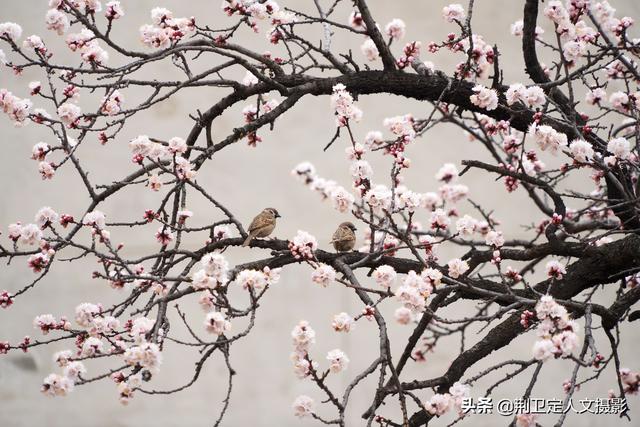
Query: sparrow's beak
{"points": [[278, 215]]}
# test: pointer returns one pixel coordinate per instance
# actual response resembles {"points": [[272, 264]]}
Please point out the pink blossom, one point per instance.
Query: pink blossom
{"points": [[146, 355], [35, 43], [403, 315], [466, 225], [164, 235], [216, 266], [385, 276], [439, 404], [526, 420], [342, 199], [323, 275], [620, 101], [369, 50], [91, 347], [112, 104], [303, 245], [355, 21], [45, 217], [343, 105], [251, 279], [10, 30], [453, 12], [216, 323], [342, 322], [69, 114], [378, 198], [303, 406], [396, 29], [484, 98], [447, 173], [113, 10], [30, 234], [547, 138], [95, 219], [581, 150], [56, 385], [303, 336], [57, 21], [457, 267], [338, 361], [619, 147], [95, 55]]}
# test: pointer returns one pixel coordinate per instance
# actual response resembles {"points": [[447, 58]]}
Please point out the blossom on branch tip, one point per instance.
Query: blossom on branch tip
{"points": [[396, 29], [453, 12], [303, 406], [343, 106], [10, 30], [338, 361], [342, 322], [303, 336]]}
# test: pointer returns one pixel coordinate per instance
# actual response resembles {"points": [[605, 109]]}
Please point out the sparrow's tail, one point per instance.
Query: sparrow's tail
{"points": [[248, 240]]}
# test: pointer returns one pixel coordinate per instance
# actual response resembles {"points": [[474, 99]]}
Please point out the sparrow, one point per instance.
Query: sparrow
{"points": [[344, 238], [262, 225]]}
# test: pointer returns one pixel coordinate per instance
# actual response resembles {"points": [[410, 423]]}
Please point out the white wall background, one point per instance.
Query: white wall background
{"points": [[265, 385]]}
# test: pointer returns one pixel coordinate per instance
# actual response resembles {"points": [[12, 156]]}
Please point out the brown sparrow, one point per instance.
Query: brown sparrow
{"points": [[262, 225], [344, 238]]}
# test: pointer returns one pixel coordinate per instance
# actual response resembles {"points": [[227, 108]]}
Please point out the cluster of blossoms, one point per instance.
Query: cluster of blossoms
{"points": [[547, 138], [257, 280], [165, 29], [340, 197], [482, 54], [532, 97], [261, 10], [556, 332], [574, 33], [33, 235], [96, 221], [136, 349], [214, 272], [343, 106], [440, 404], [581, 151], [303, 245], [303, 337], [142, 147], [17, 109], [84, 42], [413, 292]]}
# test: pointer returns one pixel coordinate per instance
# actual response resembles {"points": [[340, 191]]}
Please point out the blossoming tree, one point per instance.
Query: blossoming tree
{"points": [[582, 109]]}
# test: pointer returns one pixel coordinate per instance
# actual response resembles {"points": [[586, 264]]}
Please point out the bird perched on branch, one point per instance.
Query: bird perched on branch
{"points": [[344, 238], [262, 225]]}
